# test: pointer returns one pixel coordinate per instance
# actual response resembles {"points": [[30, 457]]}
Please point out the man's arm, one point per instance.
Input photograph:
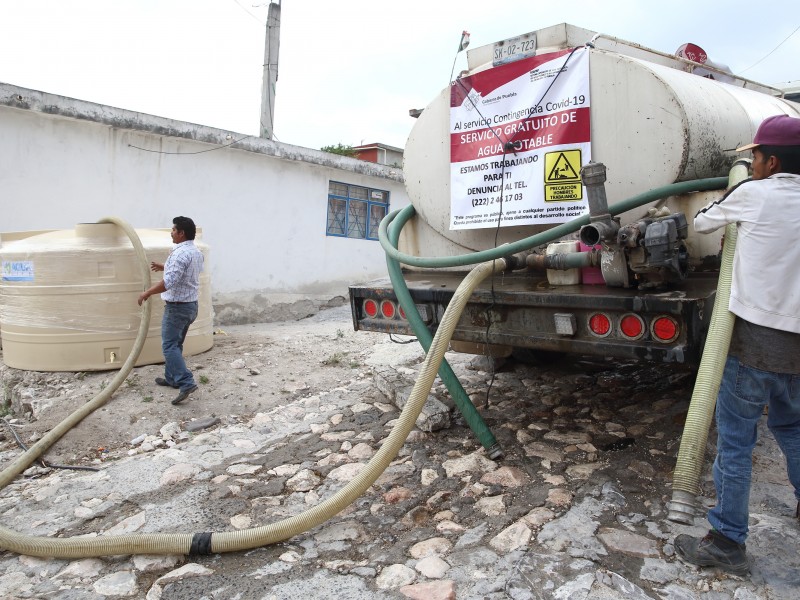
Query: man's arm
{"points": [[728, 209], [156, 289]]}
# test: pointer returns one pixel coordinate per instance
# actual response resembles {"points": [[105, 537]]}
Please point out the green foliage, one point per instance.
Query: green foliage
{"points": [[203, 379], [334, 360], [342, 149]]}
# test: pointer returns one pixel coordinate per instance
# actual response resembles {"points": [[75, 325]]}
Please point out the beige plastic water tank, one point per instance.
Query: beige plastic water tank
{"points": [[68, 298]]}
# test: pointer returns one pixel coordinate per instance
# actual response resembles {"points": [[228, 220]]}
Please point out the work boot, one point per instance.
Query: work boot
{"points": [[164, 382], [184, 394], [713, 550]]}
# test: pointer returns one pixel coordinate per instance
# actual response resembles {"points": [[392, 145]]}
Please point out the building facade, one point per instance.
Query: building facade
{"points": [[289, 228]]}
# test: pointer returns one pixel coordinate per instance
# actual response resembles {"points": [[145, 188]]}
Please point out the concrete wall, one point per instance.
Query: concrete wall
{"points": [[262, 205]]}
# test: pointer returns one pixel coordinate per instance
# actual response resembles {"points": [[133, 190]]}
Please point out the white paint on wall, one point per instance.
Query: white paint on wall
{"points": [[261, 204]]}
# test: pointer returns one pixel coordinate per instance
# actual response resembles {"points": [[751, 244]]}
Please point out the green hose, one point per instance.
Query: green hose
{"points": [[686, 477], [559, 231], [449, 378]]}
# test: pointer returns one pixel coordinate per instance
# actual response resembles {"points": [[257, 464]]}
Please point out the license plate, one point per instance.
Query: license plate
{"points": [[515, 48]]}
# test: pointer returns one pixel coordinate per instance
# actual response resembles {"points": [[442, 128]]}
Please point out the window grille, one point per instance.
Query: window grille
{"points": [[355, 211]]}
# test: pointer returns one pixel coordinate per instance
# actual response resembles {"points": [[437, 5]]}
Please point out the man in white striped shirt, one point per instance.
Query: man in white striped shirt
{"points": [[180, 290]]}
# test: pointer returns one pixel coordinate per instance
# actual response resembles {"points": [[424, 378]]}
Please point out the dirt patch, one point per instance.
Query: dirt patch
{"points": [[251, 368]]}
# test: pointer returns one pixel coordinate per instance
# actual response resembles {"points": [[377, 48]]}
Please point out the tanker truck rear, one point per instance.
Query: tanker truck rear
{"points": [[556, 131]]}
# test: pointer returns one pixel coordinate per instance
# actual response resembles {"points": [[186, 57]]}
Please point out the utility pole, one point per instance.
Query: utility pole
{"points": [[271, 48]]}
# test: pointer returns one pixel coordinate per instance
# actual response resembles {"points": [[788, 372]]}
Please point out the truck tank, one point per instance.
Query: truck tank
{"points": [[652, 123]]}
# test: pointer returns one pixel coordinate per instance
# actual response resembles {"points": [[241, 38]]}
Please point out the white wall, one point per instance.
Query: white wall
{"points": [[262, 205]]}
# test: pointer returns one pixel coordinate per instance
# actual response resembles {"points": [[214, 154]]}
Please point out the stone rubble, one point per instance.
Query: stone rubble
{"points": [[576, 509]]}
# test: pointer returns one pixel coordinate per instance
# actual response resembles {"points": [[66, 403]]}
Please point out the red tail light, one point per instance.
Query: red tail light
{"points": [[388, 309], [600, 324], [665, 329], [371, 308], [401, 311], [632, 326]]}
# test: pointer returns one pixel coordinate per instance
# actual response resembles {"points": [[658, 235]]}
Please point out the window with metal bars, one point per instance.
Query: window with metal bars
{"points": [[355, 211]]}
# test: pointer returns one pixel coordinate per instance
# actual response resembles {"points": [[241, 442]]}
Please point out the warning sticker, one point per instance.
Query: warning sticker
{"points": [[562, 180]]}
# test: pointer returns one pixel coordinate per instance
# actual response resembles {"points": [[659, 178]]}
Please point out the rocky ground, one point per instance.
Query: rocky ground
{"points": [[288, 413]]}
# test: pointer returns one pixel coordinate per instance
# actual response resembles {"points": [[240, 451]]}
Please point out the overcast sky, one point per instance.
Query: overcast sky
{"points": [[350, 69]]}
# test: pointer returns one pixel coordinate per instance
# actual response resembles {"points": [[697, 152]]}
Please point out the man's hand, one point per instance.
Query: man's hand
{"points": [[156, 289], [154, 266]]}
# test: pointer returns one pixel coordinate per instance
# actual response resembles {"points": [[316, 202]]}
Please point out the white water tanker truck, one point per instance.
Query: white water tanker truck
{"points": [[582, 159]]}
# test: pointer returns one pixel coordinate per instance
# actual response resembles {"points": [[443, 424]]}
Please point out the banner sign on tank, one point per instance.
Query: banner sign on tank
{"points": [[519, 134]]}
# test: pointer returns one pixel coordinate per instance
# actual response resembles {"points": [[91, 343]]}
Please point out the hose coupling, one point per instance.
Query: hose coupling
{"points": [[682, 507], [515, 262], [599, 231], [495, 452]]}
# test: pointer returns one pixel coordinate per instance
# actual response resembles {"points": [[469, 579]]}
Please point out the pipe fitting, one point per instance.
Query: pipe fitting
{"points": [[515, 262], [681, 508], [602, 225], [563, 261], [495, 452], [599, 231], [593, 174]]}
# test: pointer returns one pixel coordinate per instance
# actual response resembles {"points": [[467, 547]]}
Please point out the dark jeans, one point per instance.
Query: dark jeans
{"points": [[178, 316], [743, 393]]}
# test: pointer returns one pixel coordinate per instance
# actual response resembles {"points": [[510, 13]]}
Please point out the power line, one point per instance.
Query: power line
{"points": [[196, 152], [248, 12], [773, 50]]}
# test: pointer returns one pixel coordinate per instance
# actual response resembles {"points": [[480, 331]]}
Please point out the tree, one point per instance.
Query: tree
{"points": [[342, 149]]}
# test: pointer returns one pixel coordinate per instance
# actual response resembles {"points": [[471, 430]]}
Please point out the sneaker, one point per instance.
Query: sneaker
{"points": [[714, 550], [164, 382], [184, 394]]}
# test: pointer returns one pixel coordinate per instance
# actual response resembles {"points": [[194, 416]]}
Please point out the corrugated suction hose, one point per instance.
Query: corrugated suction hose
{"points": [[686, 477], [207, 543]]}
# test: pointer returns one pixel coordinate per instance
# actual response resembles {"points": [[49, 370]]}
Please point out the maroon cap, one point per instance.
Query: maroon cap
{"points": [[777, 130]]}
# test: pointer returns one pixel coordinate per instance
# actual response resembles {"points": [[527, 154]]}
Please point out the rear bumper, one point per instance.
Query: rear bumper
{"points": [[519, 310]]}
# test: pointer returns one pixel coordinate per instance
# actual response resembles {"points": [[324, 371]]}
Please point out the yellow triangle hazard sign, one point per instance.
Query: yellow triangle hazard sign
{"points": [[560, 167]]}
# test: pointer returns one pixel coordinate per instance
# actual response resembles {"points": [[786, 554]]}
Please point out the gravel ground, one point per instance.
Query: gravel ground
{"points": [[290, 412]]}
